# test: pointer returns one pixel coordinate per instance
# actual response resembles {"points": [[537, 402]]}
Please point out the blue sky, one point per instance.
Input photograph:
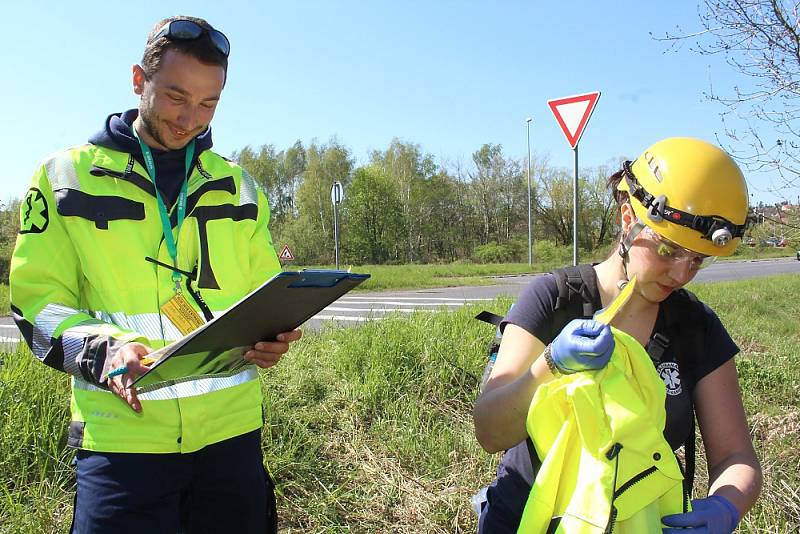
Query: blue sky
{"points": [[447, 75]]}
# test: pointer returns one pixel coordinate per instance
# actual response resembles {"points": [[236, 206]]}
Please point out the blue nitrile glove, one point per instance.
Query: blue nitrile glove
{"points": [[712, 515], [584, 344]]}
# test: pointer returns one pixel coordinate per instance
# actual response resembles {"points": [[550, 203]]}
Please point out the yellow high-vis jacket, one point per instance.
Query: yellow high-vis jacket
{"points": [[606, 466], [81, 287]]}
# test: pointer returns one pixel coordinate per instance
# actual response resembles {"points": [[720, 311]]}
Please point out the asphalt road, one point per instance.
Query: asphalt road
{"points": [[358, 307]]}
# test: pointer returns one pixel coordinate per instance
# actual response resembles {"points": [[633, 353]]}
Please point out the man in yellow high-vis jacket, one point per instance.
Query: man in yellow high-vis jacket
{"points": [[129, 242]]}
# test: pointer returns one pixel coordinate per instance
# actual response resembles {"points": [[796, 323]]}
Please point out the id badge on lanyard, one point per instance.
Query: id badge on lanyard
{"points": [[177, 309]]}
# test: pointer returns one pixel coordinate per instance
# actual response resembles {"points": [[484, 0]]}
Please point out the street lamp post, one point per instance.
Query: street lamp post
{"points": [[530, 233]]}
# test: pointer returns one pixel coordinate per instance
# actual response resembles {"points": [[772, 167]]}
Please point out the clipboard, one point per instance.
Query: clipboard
{"points": [[280, 304]]}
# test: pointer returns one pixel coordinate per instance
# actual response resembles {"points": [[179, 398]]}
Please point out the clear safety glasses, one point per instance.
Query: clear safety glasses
{"points": [[188, 30], [668, 251]]}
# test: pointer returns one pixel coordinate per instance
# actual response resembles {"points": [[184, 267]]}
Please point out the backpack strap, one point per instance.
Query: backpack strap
{"points": [[686, 317], [577, 295], [578, 298], [656, 347], [489, 317], [689, 459]]}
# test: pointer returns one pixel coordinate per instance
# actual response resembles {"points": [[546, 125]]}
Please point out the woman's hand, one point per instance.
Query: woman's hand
{"points": [[582, 345], [712, 515]]}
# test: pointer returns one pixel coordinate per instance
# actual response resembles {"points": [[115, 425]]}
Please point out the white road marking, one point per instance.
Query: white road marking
{"points": [[344, 318], [382, 310], [412, 298], [396, 303]]}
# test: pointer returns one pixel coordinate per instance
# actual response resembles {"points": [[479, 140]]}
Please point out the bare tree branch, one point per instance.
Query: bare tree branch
{"points": [[761, 40]]}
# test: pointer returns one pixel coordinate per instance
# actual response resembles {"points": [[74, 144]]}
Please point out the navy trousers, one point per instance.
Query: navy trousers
{"points": [[221, 488]]}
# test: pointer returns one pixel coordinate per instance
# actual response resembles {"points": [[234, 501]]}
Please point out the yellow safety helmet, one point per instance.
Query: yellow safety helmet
{"points": [[691, 192]]}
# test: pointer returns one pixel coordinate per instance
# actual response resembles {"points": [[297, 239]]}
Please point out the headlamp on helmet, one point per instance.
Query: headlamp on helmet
{"points": [[718, 230]]}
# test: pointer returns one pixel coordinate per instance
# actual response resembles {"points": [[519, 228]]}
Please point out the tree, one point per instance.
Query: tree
{"points": [[499, 192], [410, 168], [311, 233], [598, 206], [375, 216], [442, 216], [554, 206], [279, 174], [9, 228], [554, 210], [761, 40]]}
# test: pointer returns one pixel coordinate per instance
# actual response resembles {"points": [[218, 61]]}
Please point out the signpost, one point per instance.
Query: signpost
{"points": [[530, 227], [572, 114], [337, 195]]}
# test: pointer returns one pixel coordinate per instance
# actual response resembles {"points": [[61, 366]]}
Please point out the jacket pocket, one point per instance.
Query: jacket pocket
{"points": [[96, 208]]}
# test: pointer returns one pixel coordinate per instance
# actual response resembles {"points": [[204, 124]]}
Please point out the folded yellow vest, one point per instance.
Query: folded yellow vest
{"points": [[606, 466]]}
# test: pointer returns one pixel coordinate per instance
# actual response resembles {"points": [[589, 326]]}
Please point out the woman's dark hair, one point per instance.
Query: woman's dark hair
{"points": [[613, 182], [201, 48], [621, 197]]}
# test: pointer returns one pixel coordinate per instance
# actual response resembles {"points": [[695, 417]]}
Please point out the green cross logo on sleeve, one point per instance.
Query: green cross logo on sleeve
{"points": [[33, 216]]}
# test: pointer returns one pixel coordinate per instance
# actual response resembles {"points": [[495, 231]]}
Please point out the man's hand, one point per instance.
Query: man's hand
{"points": [[267, 353], [582, 345], [128, 357]]}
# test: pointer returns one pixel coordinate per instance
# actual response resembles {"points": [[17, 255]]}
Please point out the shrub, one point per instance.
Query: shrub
{"points": [[546, 251], [494, 253]]}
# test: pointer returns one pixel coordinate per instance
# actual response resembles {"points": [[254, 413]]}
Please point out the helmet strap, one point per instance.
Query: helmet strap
{"points": [[627, 241], [625, 246]]}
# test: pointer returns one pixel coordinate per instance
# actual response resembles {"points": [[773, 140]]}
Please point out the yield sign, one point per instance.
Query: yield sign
{"points": [[572, 114], [286, 254]]}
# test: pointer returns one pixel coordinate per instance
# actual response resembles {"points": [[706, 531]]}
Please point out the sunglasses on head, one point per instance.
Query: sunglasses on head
{"points": [[187, 30]]}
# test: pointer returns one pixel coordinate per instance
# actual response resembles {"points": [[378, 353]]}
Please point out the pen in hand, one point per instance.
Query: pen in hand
{"points": [[147, 360]]}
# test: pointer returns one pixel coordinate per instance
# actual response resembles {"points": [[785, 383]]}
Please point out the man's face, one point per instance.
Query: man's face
{"points": [[178, 101]]}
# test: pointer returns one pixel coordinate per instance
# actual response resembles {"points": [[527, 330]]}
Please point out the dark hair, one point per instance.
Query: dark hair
{"points": [[621, 197], [613, 182], [201, 49]]}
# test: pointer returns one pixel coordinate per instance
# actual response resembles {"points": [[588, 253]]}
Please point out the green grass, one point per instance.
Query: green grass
{"points": [[762, 316], [388, 277], [5, 307], [743, 252], [385, 277], [369, 429]]}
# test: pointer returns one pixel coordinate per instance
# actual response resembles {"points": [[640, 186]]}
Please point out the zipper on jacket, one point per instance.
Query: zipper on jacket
{"points": [[685, 491], [634, 480], [613, 454]]}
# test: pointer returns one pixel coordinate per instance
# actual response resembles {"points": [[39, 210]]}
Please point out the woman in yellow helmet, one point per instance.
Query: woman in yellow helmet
{"points": [[682, 203]]}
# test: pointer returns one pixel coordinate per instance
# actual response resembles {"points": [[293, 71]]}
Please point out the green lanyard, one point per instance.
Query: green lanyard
{"points": [[162, 208]]}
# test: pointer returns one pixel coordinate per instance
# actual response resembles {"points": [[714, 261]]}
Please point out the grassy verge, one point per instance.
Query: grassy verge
{"points": [[5, 308], [386, 277], [762, 315], [369, 429], [763, 252]]}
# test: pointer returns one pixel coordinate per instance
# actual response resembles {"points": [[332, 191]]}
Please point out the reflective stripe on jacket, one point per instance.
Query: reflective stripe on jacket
{"points": [[81, 287], [606, 464]]}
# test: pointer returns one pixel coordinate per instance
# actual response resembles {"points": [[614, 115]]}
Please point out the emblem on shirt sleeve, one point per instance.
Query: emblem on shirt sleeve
{"points": [[33, 217], [669, 373]]}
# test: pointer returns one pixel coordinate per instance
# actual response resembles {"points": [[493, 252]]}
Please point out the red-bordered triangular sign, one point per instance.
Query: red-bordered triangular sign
{"points": [[286, 254], [572, 114]]}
